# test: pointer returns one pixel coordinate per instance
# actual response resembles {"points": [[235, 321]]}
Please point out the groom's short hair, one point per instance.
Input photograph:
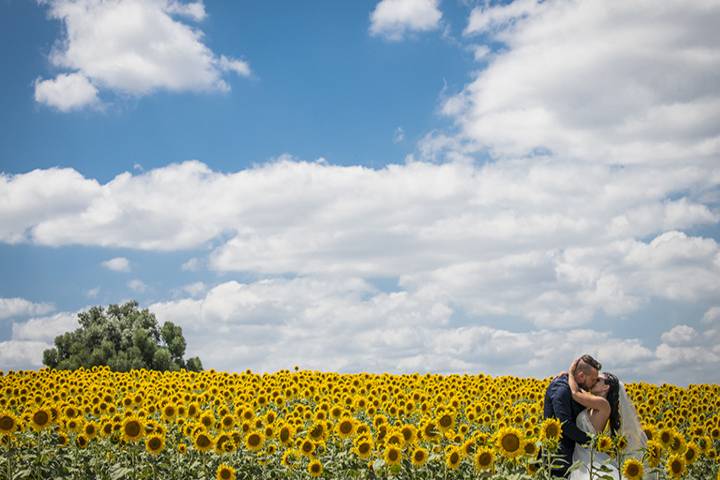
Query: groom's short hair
{"points": [[587, 362]]}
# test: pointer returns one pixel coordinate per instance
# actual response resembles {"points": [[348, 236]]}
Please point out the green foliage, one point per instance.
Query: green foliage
{"points": [[122, 337]]}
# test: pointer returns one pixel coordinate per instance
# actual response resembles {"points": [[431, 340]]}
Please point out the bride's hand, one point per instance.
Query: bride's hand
{"points": [[571, 371]]}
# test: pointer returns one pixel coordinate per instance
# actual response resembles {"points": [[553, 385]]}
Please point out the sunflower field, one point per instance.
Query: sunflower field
{"points": [[99, 424]]}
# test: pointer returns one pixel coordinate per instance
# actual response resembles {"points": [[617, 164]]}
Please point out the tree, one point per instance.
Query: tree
{"points": [[122, 337]]}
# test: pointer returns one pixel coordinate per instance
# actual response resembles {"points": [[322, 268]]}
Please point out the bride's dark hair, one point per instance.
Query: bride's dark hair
{"points": [[613, 398]]}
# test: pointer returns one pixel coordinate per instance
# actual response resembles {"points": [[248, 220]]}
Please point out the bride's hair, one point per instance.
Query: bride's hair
{"points": [[613, 398]]}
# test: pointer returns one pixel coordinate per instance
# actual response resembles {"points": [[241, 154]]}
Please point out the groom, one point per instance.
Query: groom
{"points": [[559, 404]]}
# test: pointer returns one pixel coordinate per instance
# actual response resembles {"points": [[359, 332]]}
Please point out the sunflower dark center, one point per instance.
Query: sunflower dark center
{"points": [[41, 417], [6, 423], [511, 442], [132, 429]]}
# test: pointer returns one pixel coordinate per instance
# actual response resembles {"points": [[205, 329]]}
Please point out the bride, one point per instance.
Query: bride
{"points": [[606, 404]]}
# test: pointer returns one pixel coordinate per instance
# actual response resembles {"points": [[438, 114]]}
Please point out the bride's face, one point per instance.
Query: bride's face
{"points": [[601, 387]]}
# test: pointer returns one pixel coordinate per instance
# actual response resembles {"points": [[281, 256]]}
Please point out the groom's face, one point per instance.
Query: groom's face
{"points": [[587, 380]]}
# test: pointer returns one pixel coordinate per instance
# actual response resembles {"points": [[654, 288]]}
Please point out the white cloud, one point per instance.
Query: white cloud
{"points": [[232, 65], [394, 19], [19, 307], [137, 285], [66, 92], [399, 135], [45, 328], [117, 264], [24, 350], [712, 315], [193, 10], [195, 288], [686, 353], [481, 52], [647, 96], [192, 265], [679, 335], [131, 47], [92, 292], [21, 354], [38, 196], [499, 17]]}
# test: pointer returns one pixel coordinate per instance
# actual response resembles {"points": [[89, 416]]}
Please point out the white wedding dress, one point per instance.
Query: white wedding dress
{"points": [[629, 427], [582, 454]]}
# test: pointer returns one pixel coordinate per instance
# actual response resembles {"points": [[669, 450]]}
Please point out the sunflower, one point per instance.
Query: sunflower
{"points": [[675, 467], [132, 429], [530, 448], [227, 422], [653, 453], [290, 457], [8, 423], [254, 441], [202, 442], [62, 440], [604, 443], [430, 430], [621, 443], [395, 437], [392, 455], [207, 419], [484, 459], [509, 442], [154, 443], [678, 446], [468, 447], [70, 412], [169, 412], [72, 424], [345, 427], [285, 434], [315, 468], [445, 421], [550, 431], [632, 469], [193, 410], [81, 441], [317, 431], [692, 452], [40, 418], [363, 448], [666, 437], [91, 430], [225, 472], [453, 457], [419, 456], [182, 448], [307, 447]]}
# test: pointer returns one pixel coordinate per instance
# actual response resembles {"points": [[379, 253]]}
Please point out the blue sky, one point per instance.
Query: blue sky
{"points": [[445, 186]]}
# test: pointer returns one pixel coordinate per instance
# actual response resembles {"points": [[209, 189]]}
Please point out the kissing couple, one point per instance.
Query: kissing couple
{"points": [[588, 402]]}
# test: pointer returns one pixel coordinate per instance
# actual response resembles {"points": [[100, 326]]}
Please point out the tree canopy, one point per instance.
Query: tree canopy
{"points": [[122, 337]]}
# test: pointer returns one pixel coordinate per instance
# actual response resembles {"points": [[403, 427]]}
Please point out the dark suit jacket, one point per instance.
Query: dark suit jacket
{"points": [[559, 404]]}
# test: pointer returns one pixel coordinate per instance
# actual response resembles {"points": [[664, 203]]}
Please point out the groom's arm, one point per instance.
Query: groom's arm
{"points": [[563, 411]]}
